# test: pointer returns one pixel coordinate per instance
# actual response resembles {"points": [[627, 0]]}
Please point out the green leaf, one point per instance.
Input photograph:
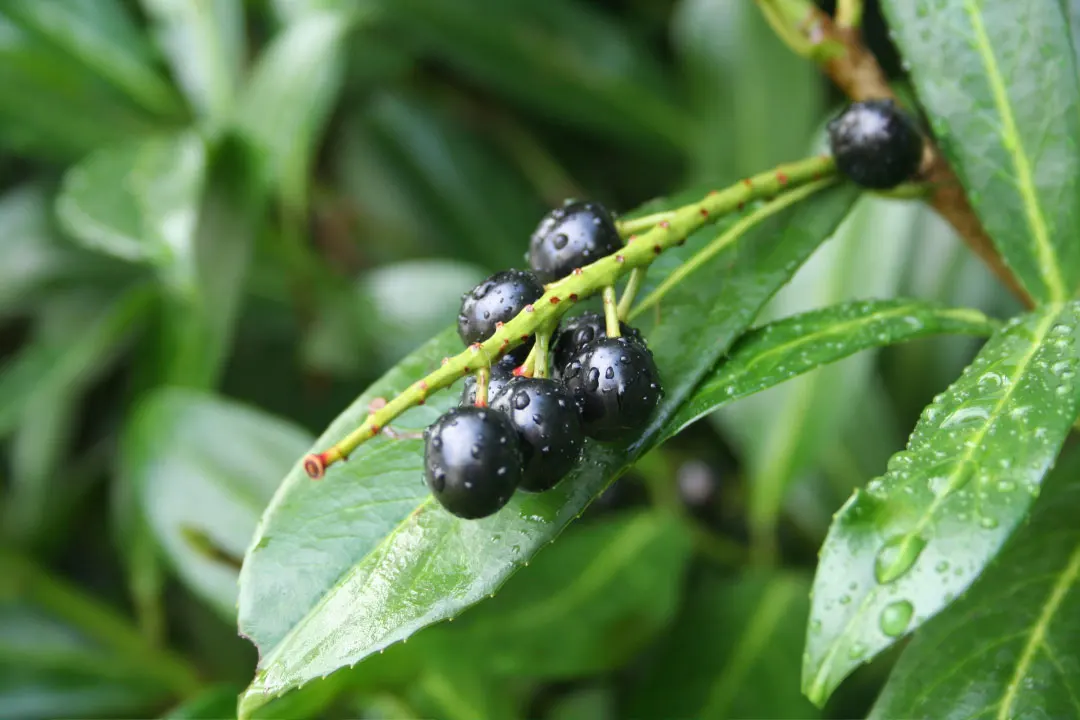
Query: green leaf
{"points": [[972, 468], [1009, 647], [216, 701], [51, 366], [53, 104], [564, 60], [998, 81], [733, 638], [139, 202], [343, 567], [289, 93], [585, 605], [204, 42], [771, 354], [743, 83], [203, 469], [30, 255], [100, 35]]}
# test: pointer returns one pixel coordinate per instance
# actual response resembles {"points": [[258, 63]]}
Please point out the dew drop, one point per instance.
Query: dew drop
{"points": [[521, 400], [896, 617], [987, 522], [844, 599], [857, 651], [897, 556], [559, 241]]}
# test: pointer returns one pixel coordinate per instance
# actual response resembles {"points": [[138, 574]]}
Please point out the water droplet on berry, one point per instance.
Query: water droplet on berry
{"points": [[559, 241], [475, 451], [594, 380], [521, 400], [609, 373]]}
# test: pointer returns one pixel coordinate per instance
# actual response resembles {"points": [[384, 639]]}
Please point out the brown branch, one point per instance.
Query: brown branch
{"points": [[857, 73]]}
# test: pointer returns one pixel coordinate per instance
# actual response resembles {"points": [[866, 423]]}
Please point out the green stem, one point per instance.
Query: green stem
{"points": [[99, 622], [726, 238], [543, 351], [584, 282], [643, 223], [633, 284], [611, 312], [483, 376]]}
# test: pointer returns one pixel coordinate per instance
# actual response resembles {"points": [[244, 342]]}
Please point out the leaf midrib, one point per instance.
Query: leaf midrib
{"points": [[1047, 257], [816, 688], [1037, 636]]}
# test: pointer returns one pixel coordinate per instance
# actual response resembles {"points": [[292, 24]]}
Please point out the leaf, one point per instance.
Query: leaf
{"points": [[283, 107], [100, 35], [564, 60], [1008, 647], [733, 638], [771, 354], [744, 83], [47, 367], [216, 701], [203, 469], [367, 549], [53, 105], [972, 468], [139, 202], [584, 606], [204, 42], [998, 81], [30, 255]]}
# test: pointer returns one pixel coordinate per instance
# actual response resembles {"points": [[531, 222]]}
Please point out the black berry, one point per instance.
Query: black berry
{"points": [[472, 461], [616, 385], [501, 373], [876, 144], [547, 422], [571, 237], [578, 332], [496, 300]]}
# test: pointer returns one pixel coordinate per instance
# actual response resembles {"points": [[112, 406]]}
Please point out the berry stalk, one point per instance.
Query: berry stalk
{"points": [[611, 312], [560, 296], [633, 284]]}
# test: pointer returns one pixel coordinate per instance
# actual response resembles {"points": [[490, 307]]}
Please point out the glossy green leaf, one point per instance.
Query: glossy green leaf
{"points": [[769, 355], [203, 469], [743, 83], [287, 99], [972, 467], [998, 81], [585, 605], [734, 637], [204, 42], [366, 549], [139, 202], [101, 35], [1010, 647]]}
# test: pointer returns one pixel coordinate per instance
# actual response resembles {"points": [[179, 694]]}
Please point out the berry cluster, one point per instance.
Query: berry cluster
{"points": [[517, 428]]}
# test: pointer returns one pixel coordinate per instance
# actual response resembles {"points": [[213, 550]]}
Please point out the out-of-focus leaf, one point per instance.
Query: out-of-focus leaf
{"points": [[452, 690], [456, 186], [779, 351], [102, 36], [47, 367], [213, 703], [756, 103], [733, 653], [30, 254], [203, 469], [998, 81], [972, 468], [585, 605], [562, 59], [64, 654], [1009, 647], [53, 104], [283, 107], [387, 561], [205, 44], [591, 703], [139, 201]]}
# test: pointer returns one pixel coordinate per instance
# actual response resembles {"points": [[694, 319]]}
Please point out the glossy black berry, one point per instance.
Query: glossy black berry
{"points": [[577, 332], [501, 373], [496, 300], [546, 419], [876, 144], [472, 461], [616, 386], [571, 237]]}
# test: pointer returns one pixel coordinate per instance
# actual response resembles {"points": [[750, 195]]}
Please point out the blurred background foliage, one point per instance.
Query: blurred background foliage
{"points": [[221, 220]]}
